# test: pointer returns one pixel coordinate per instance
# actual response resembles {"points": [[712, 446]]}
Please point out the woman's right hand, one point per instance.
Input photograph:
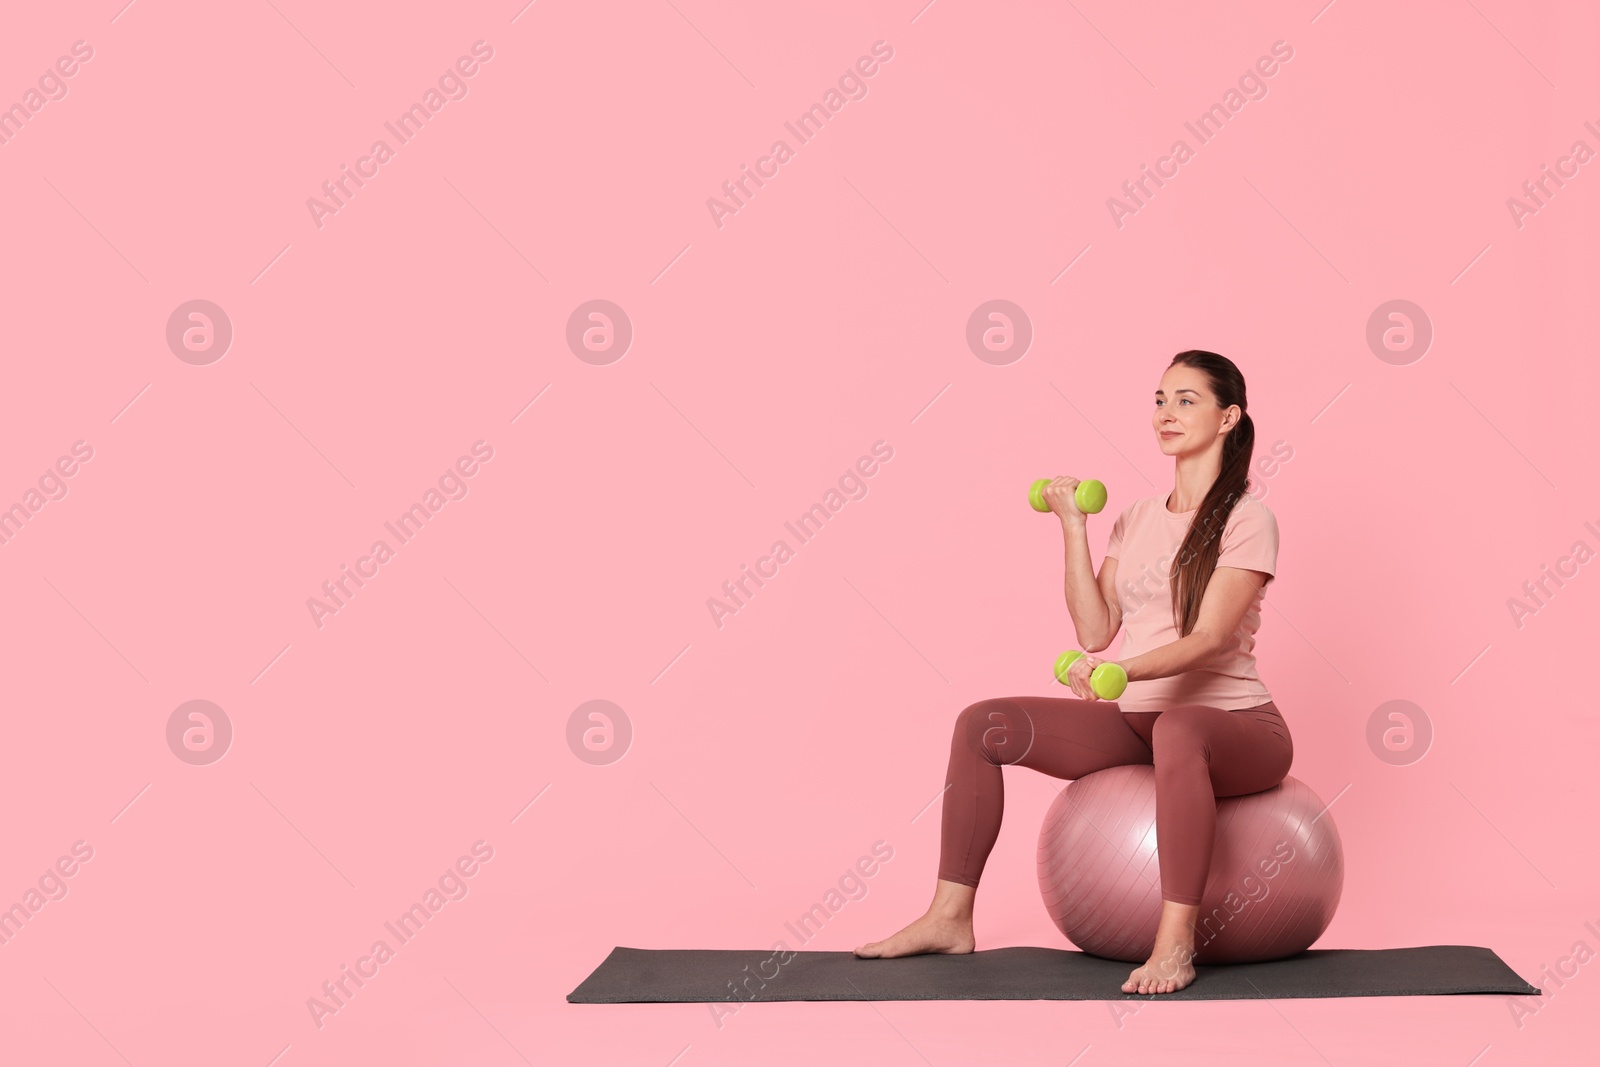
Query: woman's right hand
{"points": [[1061, 497]]}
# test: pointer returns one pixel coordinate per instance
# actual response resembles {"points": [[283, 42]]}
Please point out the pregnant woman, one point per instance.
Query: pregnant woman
{"points": [[1183, 574]]}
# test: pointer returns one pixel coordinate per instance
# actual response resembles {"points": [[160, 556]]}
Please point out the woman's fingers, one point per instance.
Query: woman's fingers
{"points": [[1060, 492], [1078, 674]]}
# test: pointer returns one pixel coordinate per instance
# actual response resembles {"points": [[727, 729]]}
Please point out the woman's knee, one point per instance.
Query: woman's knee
{"points": [[997, 728], [1179, 730]]}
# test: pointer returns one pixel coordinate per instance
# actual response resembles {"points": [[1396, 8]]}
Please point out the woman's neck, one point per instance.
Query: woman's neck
{"points": [[1192, 480]]}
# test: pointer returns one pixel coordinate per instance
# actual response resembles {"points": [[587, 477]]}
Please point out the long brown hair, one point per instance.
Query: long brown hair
{"points": [[1197, 557]]}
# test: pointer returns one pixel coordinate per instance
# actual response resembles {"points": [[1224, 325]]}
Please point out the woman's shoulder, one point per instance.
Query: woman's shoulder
{"points": [[1250, 539], [1141, 507], [1252, 506]]}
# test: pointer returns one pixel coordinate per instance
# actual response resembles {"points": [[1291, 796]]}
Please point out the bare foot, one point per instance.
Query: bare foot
{"points": [[1166, 971], [931, 933], [1171, 963]]}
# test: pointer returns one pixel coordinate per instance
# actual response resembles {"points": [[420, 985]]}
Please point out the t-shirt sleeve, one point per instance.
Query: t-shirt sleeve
{"points": [[1120, 527], [1250, 541]]}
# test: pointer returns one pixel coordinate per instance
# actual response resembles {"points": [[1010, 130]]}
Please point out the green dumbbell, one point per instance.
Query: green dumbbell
{"points": [[1090, 495], [1107, 680]]}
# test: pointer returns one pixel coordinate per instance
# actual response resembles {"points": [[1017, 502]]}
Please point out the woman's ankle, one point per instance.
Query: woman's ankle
{"points": [[953, 901]]}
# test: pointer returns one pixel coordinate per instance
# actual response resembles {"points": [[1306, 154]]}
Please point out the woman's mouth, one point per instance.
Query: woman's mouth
{"points": [[1170, 433]]}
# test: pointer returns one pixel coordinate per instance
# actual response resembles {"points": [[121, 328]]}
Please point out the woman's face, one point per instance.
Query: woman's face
{"points": [[1187, 419]]}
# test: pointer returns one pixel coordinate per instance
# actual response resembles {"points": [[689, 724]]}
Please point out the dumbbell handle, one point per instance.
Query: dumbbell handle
{"points": [[1108, 680], [1090, 496]]}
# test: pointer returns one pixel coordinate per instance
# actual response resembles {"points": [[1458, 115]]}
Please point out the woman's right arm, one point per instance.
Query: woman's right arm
{"points": [[1096, 615]]}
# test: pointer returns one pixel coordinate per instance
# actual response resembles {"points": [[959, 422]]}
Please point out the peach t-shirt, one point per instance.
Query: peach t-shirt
{"points": [[1145, 543]]}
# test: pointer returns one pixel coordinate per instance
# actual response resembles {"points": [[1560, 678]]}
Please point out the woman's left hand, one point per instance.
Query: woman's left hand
{"points": [[1078, 676]]}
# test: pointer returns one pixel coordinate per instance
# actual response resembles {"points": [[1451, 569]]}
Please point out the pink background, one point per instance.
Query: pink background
{"points": [[830, 312]]}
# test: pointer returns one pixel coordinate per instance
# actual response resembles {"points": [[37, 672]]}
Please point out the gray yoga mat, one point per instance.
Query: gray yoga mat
{"points": [[676, 975]]}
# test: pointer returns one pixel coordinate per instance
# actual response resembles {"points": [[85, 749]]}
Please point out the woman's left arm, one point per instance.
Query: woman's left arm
{"points": [[1228, 596]]}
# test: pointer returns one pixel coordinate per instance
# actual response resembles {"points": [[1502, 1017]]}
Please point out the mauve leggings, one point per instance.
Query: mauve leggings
{"points": [[1199, 752]]}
